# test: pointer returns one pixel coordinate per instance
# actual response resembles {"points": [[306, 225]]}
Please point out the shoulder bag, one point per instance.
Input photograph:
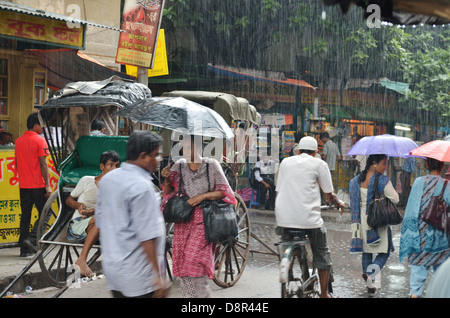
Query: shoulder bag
{"points": [[177, 210], [437, 212], [382, 212], [219, 219]]}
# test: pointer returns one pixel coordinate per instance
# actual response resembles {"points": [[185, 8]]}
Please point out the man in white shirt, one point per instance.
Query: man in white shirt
{"points": [[330, 151], [264, 172], [297, 205]]}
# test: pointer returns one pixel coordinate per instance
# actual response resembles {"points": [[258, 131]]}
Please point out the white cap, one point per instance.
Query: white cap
{"points": [[308, 143]]}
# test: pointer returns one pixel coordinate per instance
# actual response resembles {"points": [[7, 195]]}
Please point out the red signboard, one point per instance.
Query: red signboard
{"points": [[141, 20]]}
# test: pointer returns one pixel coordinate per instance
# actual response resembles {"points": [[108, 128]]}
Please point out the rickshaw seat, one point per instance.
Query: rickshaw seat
{"points": [[84, 160]]}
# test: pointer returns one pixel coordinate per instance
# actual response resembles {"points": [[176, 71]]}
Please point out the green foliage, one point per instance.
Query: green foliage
{"points": [[236, 32]]}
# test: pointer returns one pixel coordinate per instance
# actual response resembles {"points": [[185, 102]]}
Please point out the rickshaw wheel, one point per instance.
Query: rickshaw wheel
{"points": [[168, 254], [48, 217], [58, 256], [231, 256]]}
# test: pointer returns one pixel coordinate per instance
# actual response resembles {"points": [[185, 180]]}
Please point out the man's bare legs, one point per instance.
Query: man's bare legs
{"points": [[324, 277], [93, 234]]}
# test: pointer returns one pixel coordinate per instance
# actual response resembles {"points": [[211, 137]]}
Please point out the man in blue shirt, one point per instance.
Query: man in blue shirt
{"points": [[132, 228]]}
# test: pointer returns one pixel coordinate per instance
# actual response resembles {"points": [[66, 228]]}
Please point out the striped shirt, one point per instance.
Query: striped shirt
{"points": [[425, 258]]}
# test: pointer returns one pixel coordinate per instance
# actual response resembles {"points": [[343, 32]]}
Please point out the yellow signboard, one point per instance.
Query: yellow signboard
{"points": [[10, 211], [41, 29], [160, 66]]}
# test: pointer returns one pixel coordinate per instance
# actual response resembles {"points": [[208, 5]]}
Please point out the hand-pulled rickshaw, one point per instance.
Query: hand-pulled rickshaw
{"points": [[66, 118], [75, 154]]}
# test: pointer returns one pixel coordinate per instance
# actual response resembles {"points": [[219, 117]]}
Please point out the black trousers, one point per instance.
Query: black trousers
{"points": [[270, 203], [405, 179], [28, 198]]}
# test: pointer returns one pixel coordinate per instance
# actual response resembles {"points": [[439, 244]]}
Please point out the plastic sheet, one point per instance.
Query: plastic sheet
{"points": [[111, 91]]}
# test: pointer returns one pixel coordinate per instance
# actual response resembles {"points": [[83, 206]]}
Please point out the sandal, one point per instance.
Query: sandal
{"points": [[371, 288]]}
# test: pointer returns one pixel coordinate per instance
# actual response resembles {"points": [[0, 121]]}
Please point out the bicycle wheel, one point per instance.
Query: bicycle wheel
{"points": [[231, 256], [300, 281], [168, 254]]}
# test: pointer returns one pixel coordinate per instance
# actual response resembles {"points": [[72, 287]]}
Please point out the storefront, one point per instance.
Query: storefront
{"points": [[347, 116], [27, 75]]}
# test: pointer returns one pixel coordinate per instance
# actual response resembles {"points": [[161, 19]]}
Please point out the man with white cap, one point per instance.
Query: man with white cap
{"points": [[297, 205]]}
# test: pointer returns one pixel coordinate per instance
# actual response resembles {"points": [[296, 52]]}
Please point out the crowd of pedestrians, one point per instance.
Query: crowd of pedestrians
{"points": [[131, 228]]}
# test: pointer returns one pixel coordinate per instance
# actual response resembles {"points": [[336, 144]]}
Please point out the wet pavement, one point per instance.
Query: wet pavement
{"points": [[260, 278], [391, 282]]}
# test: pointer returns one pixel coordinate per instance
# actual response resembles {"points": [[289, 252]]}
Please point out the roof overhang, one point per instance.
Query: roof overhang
{"points": [[68, 65], [14, 7]]}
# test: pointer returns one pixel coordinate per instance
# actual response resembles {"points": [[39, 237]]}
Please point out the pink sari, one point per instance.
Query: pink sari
{"points": [[192, 254]]}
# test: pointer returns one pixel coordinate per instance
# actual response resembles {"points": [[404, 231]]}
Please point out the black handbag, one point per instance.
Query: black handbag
{"points": [[382, 212], [177, 210], [437, 212], [219, 219]]}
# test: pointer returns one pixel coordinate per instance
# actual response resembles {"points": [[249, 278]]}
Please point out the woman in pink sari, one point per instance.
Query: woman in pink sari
{"points": [[193, 256]]}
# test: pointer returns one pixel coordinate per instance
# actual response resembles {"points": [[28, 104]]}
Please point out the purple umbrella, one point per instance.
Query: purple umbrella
{"points": [[392, 146]]}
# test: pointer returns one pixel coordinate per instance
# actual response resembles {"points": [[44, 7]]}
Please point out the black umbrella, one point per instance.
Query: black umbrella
{"points": [[178, 114]]}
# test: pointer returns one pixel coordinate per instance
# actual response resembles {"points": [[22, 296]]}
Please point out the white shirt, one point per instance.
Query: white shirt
{"points": [[362, 162], [266, 168], [86, 192], [331, 151], [127, 214], [298, 185]]}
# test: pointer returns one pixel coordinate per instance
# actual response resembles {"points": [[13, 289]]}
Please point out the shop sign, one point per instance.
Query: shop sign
{"points": [[349, 98], [140, 21], [277, 119], [38, 29], [260, 90], [10, 211], [160, 67]]}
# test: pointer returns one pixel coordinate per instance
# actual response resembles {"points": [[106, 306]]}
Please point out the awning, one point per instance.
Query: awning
{"points": [[399, 87], [14, 7], [67, 65], [227, 72], [371, 114], [334, 112], [331, 112]]}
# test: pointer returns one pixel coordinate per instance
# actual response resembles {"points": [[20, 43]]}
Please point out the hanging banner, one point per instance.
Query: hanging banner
{"points": [[160, 66], [141, 20]]}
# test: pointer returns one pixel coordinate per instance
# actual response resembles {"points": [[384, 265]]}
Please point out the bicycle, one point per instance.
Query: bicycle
{"points": [[298, 278]]}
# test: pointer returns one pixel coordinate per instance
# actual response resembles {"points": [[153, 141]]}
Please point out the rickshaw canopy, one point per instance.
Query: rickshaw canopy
{"points": [[68, 115], [228, 106], [112, 91]]}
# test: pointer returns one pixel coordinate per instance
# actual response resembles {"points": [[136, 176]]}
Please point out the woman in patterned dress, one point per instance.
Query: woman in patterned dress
{"points": [[193, 256], [423, 245]]}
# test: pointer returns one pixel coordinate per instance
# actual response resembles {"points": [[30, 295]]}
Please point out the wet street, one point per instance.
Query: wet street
{"points": [[392, 282], [260, 277]]}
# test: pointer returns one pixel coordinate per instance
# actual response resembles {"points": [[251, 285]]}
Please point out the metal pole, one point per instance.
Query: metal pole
{"points": [[142, 75]]}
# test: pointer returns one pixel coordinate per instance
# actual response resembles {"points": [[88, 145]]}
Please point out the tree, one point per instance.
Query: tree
{"points": [[245, 33], [418, 56]]}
